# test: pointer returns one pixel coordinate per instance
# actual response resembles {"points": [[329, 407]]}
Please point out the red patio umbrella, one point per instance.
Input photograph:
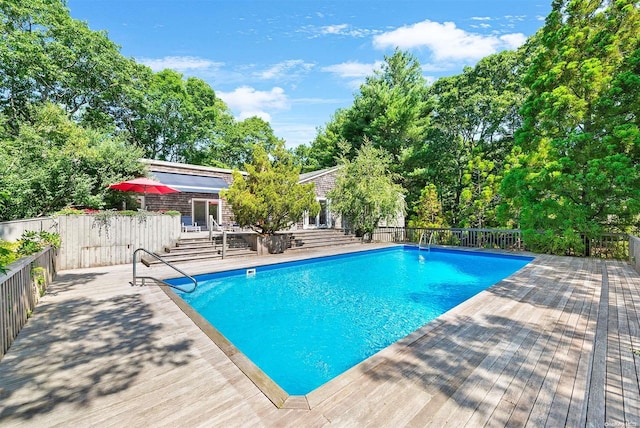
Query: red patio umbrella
{"points": [[143, 185]]}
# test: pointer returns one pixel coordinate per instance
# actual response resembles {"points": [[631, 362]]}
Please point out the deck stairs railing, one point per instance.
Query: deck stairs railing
{"points": [[213, 225], [136, 277]]}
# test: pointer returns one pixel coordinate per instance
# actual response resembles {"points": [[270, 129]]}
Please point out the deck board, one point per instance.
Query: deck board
{"points": [[99, 352]]}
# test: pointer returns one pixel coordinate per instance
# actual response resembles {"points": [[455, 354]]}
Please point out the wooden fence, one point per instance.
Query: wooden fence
{"points": [[606, 245], [478, 238], [98, 240], [13, 230], [21, 287], [634, 252]]}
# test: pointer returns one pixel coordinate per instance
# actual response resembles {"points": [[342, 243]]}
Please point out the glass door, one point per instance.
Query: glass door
{"points": [[203, 208], [322, 220], [200, 212]]}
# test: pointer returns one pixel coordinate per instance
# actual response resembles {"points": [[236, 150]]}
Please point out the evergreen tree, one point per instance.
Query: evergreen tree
{"points": [[577, 164], [270, 199]]}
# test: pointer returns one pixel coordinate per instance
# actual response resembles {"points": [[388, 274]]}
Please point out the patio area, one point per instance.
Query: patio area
{"points": [[556, 344]]}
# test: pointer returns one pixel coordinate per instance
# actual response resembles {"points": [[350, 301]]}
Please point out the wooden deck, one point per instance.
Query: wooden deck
{"points": [[553, 345]]}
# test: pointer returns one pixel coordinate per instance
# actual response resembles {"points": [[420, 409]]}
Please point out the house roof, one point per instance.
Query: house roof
{"points": [[191, 183], [308, 176], [205, 179], [185, 168]]}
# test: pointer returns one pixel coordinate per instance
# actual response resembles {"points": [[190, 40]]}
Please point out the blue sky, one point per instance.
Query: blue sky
{"points": [[294, 62]]}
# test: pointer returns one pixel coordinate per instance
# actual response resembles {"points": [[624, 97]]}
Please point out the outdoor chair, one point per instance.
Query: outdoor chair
{"points": [[189, 226]]}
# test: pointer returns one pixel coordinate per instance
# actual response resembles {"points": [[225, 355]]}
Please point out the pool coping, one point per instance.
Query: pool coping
{"points": [[278, 396]]}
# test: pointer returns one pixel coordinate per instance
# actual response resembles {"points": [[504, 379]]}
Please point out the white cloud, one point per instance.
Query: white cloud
{"points": [[334, 29], [482, 25], [513, 41], [440, 67], [258, 113], [289, 69], [518, 18], [294, 134], [179, 63], [353, 72], [352, 69], [247, 101], [337, 30], [346, 30], [481, 18], [446, 41]]}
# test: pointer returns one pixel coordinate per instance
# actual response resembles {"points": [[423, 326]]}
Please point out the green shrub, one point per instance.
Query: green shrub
{"points": [[39, 279], [567, 243], [31, 242], [7, 254], [70, 211]]}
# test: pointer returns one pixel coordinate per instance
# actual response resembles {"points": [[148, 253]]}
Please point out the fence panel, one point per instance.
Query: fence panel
{"points": [[634, 252], [476, 238], [21, 287], [13, 230], [618, 246], [607, 246], [90, 240]]}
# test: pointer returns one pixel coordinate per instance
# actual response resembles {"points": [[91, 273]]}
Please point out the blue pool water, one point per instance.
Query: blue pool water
{"points": [[304, 323]]}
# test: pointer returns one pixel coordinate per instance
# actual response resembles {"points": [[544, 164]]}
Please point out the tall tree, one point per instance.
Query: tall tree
{"points": [[578, 165], [46, 56], [324, 150], [474, 119], [428, 209], [270, 199], [56, 163], [391, 110], [480, 195], [392, 107], [175, 117], [365, 192], [231, 144]]}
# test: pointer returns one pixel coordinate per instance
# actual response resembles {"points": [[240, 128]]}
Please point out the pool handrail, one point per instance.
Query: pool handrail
{"points": [[157, 257], [423, 235]]}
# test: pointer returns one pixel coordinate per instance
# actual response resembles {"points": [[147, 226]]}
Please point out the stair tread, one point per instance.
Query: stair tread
{"points": [[202, 248], [192, 257]]}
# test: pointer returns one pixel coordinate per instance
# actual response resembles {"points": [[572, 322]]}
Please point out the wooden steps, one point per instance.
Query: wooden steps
{"points": [[317, 238], [201, 248], [198, 248]]}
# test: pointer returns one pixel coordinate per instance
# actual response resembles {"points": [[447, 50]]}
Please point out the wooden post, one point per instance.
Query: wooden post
{"points": [[224, 243]]}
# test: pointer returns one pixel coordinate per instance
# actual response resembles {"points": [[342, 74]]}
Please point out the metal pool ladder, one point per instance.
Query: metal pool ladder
{"points": [[428, 244], [154, 255]]}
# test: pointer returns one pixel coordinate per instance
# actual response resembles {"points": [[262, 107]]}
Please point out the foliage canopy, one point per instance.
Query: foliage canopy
{"points": [[578, 150], [365, 191], [270, 199], [545, 138]]}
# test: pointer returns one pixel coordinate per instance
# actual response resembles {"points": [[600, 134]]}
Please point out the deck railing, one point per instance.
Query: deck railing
{"points": [[21, 287], [478, 238], [634, 252], [606, 245]]}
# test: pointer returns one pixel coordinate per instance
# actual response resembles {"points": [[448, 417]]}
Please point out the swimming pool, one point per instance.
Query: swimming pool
{"points": [[304, 323]]}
